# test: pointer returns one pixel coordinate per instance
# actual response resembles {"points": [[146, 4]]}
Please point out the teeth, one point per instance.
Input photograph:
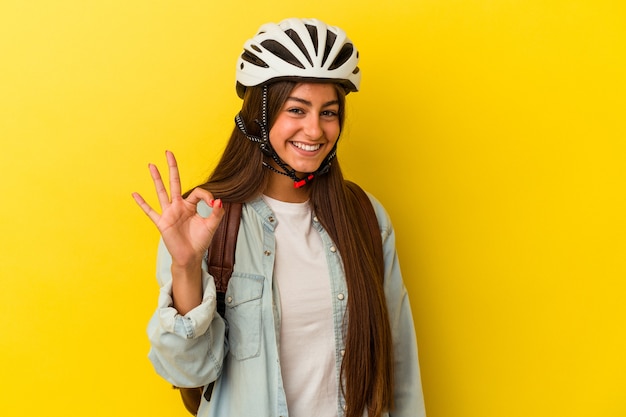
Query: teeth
{"points": [[305, 147]]}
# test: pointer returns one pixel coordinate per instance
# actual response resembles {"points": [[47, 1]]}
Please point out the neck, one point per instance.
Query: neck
{"points": [[280, 187]]}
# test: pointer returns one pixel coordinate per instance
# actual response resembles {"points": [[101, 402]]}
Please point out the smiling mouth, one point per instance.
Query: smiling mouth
{"points": [[305, 147]]}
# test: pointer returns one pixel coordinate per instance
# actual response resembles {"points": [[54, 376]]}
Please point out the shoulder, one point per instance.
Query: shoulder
{"points": [[384, 221]]}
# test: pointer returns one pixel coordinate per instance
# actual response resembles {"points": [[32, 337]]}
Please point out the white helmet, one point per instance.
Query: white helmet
{"points": [[298, 49]]}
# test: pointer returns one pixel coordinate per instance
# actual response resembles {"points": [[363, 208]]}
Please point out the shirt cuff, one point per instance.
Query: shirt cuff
{"points": [[196, 322]]}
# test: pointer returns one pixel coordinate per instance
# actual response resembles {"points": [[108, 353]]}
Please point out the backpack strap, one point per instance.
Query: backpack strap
{"points": [[221, 253], [220, 262]]}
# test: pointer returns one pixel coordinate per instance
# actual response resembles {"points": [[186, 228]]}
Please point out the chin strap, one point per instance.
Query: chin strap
{"points": [[301, 182], [267, 149]]}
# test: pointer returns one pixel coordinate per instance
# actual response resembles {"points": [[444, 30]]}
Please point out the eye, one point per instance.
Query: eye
{"points": [[295, 110], [329, 114]]}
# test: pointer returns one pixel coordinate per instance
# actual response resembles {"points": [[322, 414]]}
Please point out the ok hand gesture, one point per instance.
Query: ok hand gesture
{"points": [[186, 234]]}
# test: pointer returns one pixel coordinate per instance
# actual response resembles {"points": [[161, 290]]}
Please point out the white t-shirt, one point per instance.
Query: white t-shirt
{"points": [[307, 341]]}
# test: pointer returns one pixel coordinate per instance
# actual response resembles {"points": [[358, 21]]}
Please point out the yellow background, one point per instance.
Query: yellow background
{"points": [[492, 130]]}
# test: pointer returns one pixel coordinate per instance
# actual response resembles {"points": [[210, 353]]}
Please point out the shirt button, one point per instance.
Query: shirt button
{"points": [[229, 299], [271, 219], [343, 352], [267, 253], [341, 296], [333, 249], [315, 219]]}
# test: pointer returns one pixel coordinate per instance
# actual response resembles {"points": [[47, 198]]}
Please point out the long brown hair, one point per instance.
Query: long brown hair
{"points": [[367, 366]]}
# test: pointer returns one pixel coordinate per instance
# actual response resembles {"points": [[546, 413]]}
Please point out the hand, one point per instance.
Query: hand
{"points": [[186, 234]]}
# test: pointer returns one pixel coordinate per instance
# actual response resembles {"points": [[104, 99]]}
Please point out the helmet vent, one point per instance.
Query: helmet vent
{"points": [[253, 59], [296, 39], [342, 57], [330, 41], [313, 33], [281, 52]]}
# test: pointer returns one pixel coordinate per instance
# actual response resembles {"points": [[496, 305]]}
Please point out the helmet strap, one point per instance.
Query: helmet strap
{"points": [[264, 140]]}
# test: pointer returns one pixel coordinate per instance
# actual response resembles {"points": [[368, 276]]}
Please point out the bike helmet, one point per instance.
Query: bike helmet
{"points": [[298, 49]]}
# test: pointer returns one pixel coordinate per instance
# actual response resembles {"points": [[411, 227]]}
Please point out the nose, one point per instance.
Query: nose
{"points": [[313, 127]]}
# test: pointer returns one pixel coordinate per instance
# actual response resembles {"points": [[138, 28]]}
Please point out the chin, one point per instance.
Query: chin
{"points": [[301, 171]]}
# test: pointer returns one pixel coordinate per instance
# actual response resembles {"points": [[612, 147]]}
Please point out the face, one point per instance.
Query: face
{"points": [[307, 126]]}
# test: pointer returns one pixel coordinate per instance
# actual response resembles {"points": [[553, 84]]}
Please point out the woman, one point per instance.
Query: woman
{"points": [[312, 327]]}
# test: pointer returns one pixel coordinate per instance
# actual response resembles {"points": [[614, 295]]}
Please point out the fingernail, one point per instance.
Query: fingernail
{"points": [[211, 201]]}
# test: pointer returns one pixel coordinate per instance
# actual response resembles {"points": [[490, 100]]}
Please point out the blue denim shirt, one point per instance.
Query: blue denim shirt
{"points": [[241, 352]]}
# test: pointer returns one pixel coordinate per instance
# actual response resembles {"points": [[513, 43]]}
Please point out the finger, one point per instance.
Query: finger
{"points": [[175, 189], [217, 213], [164, 199], [198, 194], [153, 215]]}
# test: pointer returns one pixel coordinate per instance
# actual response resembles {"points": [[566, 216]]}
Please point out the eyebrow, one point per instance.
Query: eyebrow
{"points": [[309, 104]]}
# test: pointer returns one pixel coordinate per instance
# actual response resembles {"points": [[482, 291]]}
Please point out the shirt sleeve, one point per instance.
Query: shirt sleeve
{"points": [[408, 395], [186, 350]]}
